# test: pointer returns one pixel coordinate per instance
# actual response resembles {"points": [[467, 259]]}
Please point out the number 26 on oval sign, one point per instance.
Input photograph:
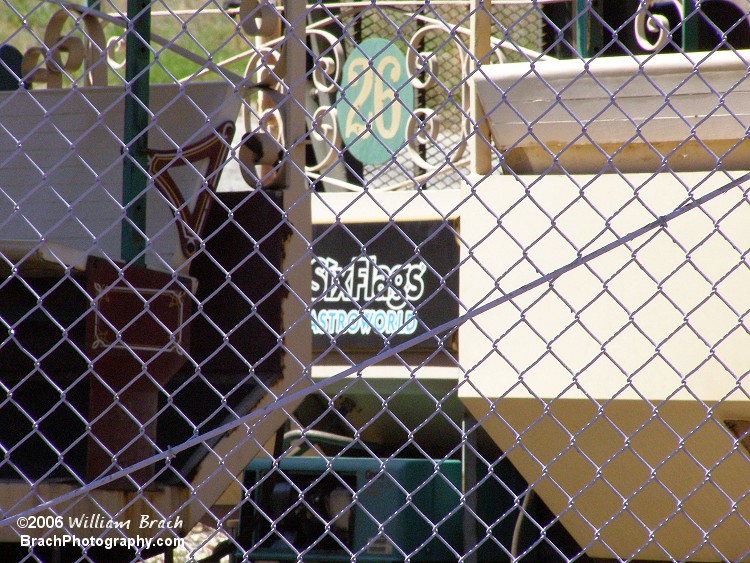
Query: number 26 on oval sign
{"points": [[374, 102]]}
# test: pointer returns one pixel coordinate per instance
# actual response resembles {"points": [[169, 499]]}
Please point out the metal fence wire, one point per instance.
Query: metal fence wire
{"points": [[374, 281]]}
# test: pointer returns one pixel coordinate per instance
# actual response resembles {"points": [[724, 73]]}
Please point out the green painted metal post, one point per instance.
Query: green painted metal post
{"points": [[588, 28], [135, 164], [690, 26], [582, 28]]}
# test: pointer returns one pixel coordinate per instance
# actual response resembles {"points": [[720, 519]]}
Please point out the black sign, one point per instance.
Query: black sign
{"points": [[381, 284]]}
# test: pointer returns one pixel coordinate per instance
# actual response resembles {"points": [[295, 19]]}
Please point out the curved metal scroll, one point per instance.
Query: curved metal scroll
{"points": [[646, 22], [46, 64]]}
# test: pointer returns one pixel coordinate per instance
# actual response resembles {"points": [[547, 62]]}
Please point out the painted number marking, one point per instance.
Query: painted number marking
{"points": [[375, 101]]}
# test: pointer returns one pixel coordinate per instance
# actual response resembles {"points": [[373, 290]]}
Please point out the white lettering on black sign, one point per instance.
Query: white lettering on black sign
{"points": [[366, 281], [376, 284], [384, 290]]}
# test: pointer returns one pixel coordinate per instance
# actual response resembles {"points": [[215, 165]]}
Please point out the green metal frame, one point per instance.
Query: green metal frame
{"points": [[583, 28], [135, 165], [437, 499], [588, 33], [689, 30]]}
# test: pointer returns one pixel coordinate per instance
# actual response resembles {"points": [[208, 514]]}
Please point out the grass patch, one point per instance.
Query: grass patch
{"points": [[197, 27], [22, 22]]}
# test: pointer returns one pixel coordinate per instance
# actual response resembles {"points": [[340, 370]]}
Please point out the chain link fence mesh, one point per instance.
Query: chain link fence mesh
{"points": [[374, 281]]}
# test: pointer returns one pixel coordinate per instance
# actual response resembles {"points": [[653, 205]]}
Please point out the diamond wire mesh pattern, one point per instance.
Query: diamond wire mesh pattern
{"points": [[319, 328]]}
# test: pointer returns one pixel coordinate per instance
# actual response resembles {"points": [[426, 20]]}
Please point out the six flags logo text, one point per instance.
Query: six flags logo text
{"points": [[383, 292]]}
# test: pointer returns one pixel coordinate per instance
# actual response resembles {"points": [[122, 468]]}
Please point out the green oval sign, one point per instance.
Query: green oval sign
{"points": [[375, 101]]}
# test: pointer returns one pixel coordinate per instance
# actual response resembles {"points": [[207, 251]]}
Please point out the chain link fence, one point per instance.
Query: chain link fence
{"points": [[374, 281]]}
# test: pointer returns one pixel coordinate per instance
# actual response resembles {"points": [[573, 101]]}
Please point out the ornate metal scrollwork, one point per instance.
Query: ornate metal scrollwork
{"points": [[325, 128], [64, 54], [326, 76], [436, 128], [116, 53], [330, 61], [424, 124], [261, 113], [265, 69], [422, 129], [648, 22]]}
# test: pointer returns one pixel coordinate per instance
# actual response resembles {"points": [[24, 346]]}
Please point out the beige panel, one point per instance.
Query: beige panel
{"points": [[609, 392]]}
